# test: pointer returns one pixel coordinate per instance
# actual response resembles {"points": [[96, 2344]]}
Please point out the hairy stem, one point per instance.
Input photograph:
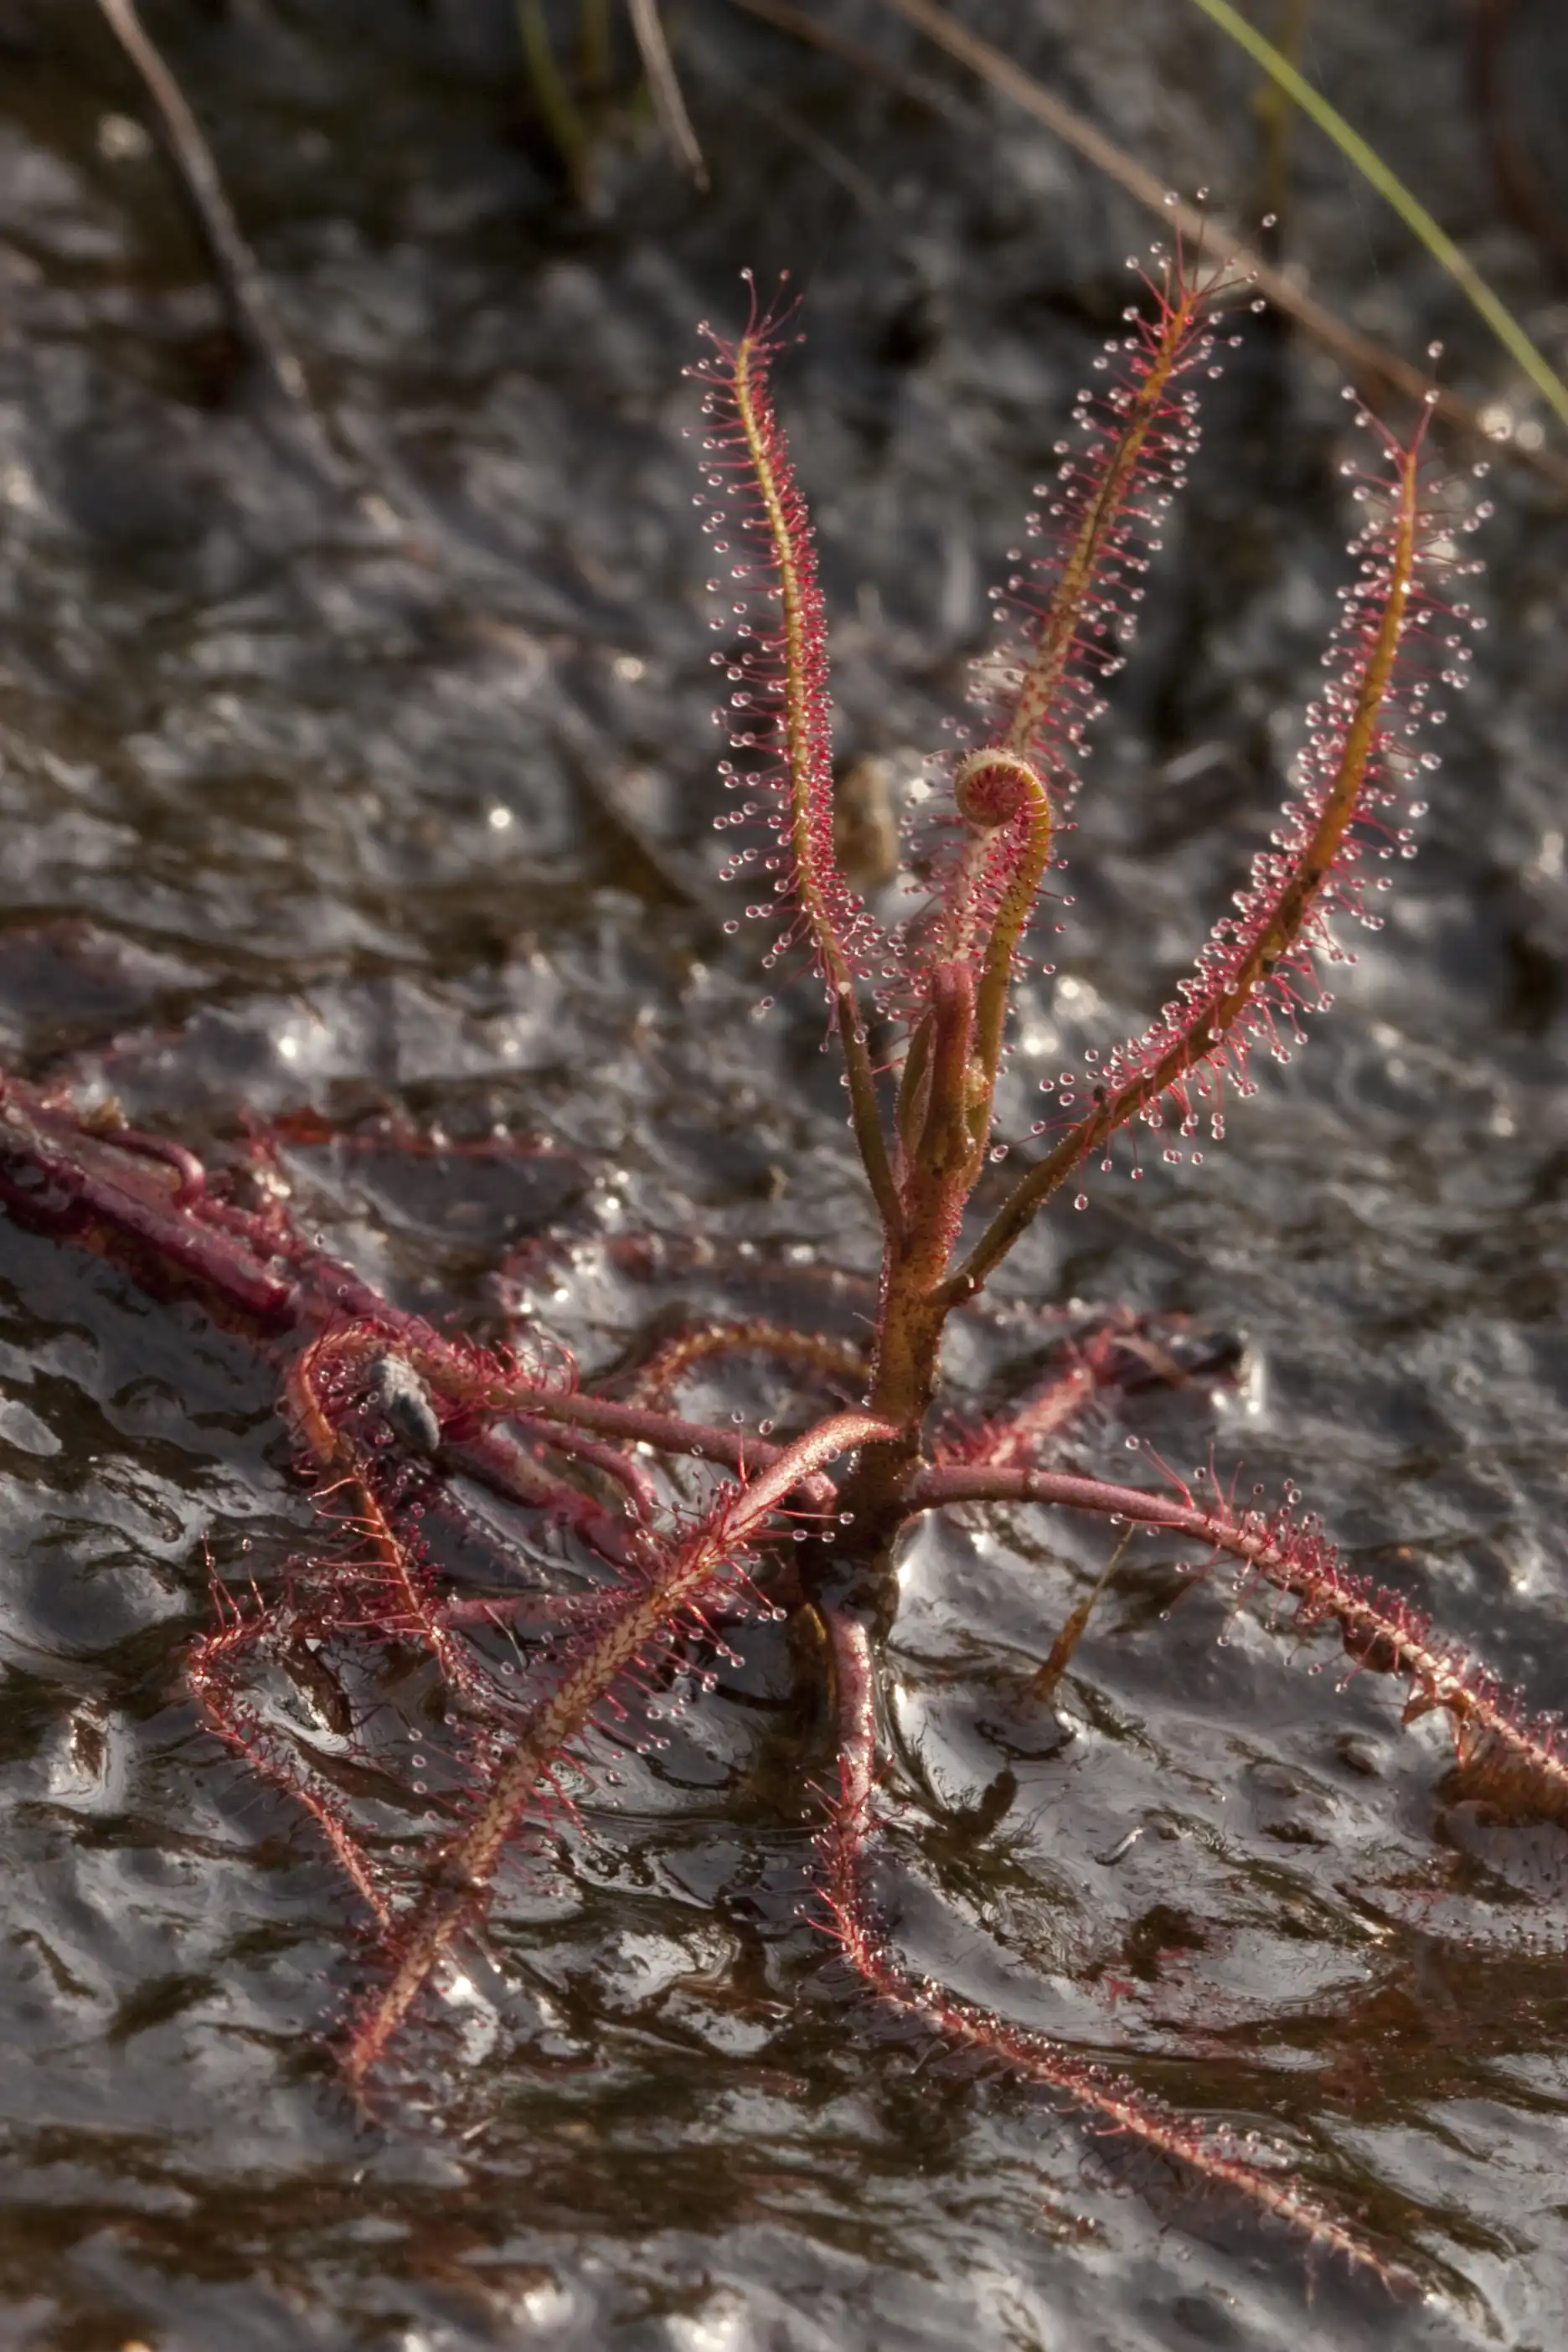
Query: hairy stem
{"points": [[1016, 904], [1041, 690], [480, 1385], [1276, 929], [799, 692], [1518, 1762], [936, 1184], [1204, 2151], [212, 1666], [830, 1359], [676, 1580]]}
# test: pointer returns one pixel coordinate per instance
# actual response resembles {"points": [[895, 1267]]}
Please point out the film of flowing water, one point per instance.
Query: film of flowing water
{"points": [[388, 800]]}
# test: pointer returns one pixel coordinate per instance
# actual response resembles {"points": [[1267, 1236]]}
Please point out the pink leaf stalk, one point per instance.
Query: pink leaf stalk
{"points": [[780, 709], [1073, 608], [1066, 618], [1205, 2152], [677, 1582], [1519, 1762], [1257, 973]]}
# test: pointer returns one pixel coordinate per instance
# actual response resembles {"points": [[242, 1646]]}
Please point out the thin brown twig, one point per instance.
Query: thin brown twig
{"points": [[664, 87], [242, 289], [1369, 361]]}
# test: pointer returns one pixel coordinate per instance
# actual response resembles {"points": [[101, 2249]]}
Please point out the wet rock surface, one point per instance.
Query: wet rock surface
{"points": [[390, 802]]}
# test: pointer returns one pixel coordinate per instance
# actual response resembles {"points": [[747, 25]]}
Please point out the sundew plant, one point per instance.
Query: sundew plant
{"points": [[696, 1526]]}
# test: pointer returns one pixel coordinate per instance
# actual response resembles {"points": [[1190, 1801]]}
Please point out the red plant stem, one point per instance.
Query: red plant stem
{"points": [[57, 1174], [833, 1359], [497, 1460], [936, 1182], [192, 1174], [1198, 2148], [634, 1481], [227, 1714], [118, 1188], [978, 1483], [665, 1432], [940, 1169], [1517, 1760], [1023, 871], [54, 1174], [677, 1579], [477, 1386]]}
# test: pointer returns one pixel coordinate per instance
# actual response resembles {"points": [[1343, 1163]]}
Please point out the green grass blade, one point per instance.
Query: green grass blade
{"points": [[1413, 213]]}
